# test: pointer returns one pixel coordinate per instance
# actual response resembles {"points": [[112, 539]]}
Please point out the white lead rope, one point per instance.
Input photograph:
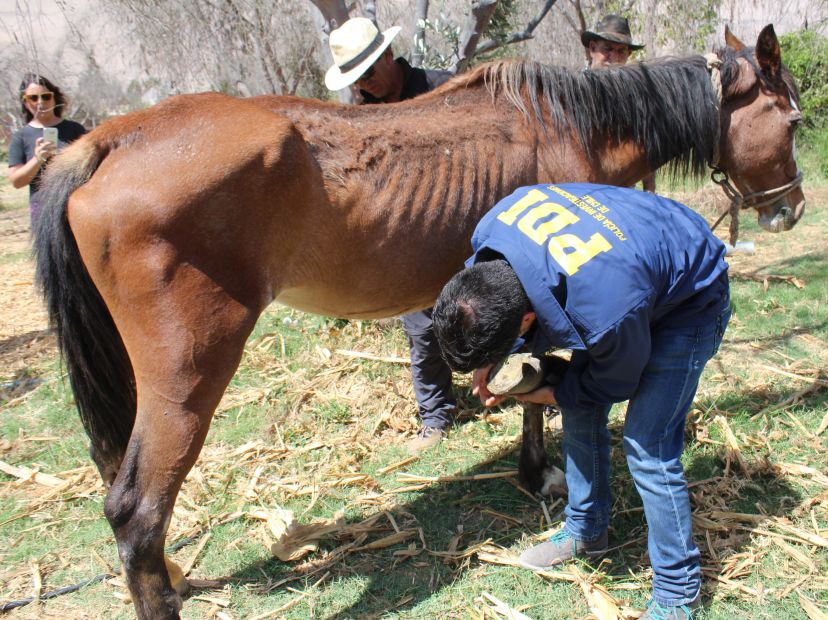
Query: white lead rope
{"points": [[713, 64]]}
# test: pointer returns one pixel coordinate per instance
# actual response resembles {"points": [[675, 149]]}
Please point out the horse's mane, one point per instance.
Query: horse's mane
{"points": [[668, 105]]}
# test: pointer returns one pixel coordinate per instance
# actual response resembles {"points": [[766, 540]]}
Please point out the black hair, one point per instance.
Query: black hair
{"points": [[478, 315], [667, 105], [34, 78]]}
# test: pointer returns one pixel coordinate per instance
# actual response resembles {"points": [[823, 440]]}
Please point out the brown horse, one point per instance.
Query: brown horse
{"points": [[167, 231]]}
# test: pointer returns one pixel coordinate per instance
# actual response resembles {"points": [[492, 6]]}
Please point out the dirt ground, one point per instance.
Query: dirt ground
{"points": [[25, 341]]}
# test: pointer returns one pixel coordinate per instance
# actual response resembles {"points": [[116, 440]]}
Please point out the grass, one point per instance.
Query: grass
{"points": [[813, 154], [300, 420]]}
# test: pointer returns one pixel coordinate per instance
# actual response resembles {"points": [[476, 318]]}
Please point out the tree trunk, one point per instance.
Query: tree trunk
{"points": [[420, 17], [582, 25], [370, 11], [479, 17], [330, 14]]}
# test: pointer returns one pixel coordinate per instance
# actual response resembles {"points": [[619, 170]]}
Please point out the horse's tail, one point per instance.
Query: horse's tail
{"points": [[99, 369]]}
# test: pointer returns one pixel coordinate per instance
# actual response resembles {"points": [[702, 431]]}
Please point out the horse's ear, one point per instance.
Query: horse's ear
{"points": [[731, 40], [768, 54]]}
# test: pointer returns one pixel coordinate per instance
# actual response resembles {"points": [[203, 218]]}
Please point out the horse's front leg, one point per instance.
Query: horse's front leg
{"points": [[534, 469]]}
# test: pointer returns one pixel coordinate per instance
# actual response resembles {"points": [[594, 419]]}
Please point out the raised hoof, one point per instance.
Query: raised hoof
{"points": [[518, 373]]}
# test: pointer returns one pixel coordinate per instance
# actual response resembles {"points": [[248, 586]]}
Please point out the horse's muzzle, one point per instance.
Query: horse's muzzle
{"points": [[784, 217]]}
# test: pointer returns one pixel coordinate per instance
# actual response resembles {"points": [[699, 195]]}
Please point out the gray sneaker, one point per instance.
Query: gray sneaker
{"points": [[559, 548], [656, 611], [427, 437]]}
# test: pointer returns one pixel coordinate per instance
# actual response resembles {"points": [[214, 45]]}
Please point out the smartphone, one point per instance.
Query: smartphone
{"points": [[50, 134]]}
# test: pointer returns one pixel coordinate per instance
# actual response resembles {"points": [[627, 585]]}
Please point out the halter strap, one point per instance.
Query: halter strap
{"points": [[738, 201]]}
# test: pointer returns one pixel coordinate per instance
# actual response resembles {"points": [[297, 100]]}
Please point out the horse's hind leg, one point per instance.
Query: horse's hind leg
{"points": [[185, 345]]}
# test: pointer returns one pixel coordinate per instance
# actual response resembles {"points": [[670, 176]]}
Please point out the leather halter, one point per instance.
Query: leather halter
{"points": [[738, 200]]}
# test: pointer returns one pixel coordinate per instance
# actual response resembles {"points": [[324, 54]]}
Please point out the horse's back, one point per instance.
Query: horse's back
{"points": [[200, 179]]}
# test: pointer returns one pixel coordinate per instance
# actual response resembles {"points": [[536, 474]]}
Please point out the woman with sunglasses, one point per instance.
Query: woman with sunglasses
{"points": [[42, 104]]}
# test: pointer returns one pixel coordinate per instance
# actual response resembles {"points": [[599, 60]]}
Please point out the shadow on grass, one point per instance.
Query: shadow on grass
{"points": [[440, 512], [761, 493], [23, 340], [804, 266], [394, 583], [782, 337], [770, 398], [23, 382]]}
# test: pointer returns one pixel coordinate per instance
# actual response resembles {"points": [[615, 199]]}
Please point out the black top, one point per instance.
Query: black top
{"points": [[22, 146], [416, 82]]}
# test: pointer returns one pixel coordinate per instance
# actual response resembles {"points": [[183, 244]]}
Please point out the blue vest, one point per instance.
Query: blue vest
{"points": [[603, 266]]}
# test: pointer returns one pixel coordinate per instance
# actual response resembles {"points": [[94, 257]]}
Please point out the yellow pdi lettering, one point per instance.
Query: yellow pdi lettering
{"points": [[532, 198], [539, 234], [571, 252]]}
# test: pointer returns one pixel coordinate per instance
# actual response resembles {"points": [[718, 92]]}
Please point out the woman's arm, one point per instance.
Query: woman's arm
{"points": [[22, 174]]}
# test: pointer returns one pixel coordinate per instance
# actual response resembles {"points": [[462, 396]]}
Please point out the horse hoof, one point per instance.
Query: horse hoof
{"points": [[520, 373], [516, 374], [554, 482], [532, 476], [177, 579]]}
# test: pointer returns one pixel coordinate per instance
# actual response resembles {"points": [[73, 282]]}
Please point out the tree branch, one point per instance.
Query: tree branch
{"points": [[479, 17], [579, 11], [491, 44]]}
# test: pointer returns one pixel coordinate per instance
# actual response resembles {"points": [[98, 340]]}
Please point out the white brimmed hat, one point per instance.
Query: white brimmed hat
{"points": [[355, 46]]}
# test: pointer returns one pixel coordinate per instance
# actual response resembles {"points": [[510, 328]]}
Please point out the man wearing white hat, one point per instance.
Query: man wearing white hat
{"points": [[362, 56]]}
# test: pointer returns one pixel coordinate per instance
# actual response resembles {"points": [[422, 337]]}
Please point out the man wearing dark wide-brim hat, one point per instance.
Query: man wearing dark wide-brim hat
{"points": [[610, 43]]}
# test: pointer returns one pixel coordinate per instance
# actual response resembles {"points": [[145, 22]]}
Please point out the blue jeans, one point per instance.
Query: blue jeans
{"points": [[653, 443], [430, 373]]}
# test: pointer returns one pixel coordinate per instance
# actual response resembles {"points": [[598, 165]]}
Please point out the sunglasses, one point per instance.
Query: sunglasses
{"points": [[38, 97], [369, 72]]}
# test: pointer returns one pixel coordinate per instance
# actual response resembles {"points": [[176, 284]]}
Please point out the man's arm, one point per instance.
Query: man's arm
{"points": [[616, 361], [542, 396], [435, 78]]}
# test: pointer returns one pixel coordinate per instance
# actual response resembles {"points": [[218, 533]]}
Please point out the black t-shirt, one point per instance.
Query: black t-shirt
{"points": [[416, 82], [22, 147]]}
